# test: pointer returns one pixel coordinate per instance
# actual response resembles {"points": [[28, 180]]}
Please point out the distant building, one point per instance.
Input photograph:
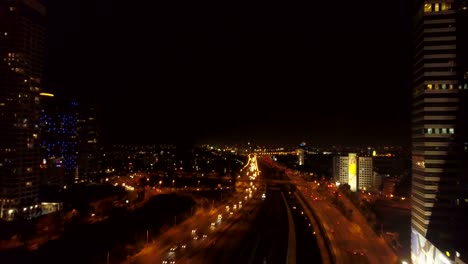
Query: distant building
{"points": [[69, 140], [58, 140], [358, 174], [89, 161], [340, 168], [439, 213], [377, 181], [365, 173], [301, 151], [22, 50]]}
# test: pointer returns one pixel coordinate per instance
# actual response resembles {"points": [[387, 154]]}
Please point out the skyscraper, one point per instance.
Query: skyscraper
{"points": [[88, 146], [22, 37], [439, 133], [59, 140]]}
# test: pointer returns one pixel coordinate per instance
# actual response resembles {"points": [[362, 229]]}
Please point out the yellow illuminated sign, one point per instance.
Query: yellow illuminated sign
{"points": [[352, 171], [47, 94]]}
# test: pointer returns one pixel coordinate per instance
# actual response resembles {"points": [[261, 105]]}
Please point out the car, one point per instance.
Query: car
{"points": [[174, 248]]}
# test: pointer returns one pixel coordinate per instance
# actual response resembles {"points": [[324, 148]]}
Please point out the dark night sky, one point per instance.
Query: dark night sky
{"points": [[269, 71]]}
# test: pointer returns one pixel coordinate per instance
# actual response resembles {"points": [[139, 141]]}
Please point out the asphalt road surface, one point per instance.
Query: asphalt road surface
{"points": [[261, 234]]}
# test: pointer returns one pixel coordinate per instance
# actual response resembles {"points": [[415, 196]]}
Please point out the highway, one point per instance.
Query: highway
{"points": [[186, 242], [263, 236], [306, 246], [271, 240], [270, 227], [351, 240]]}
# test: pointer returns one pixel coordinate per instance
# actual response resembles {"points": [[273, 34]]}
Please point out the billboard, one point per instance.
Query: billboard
{"points": [[352, 171], [424, 252]]}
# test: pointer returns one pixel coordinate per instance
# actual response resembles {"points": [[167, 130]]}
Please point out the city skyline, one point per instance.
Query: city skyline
{"points": [[338, 128], [167, 70]]}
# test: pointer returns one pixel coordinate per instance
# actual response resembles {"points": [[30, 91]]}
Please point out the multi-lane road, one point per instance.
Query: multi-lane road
{"points": [[264, 224], [273, 229]]}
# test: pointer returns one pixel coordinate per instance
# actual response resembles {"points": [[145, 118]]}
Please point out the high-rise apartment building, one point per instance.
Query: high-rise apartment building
{"points": [[58, 140], [439, 133], [88, 145], [22, 40], [363, 172], [69, 140]]}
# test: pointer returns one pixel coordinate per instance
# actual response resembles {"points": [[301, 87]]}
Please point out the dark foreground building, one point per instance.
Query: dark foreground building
{"points": [[22, 37], [439, 133]]}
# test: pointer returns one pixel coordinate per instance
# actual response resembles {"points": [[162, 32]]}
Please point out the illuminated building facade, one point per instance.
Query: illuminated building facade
{"points": [[22, 36], [58, 141], [301, 151], [439, 133], [354, 170], [69, 141]]}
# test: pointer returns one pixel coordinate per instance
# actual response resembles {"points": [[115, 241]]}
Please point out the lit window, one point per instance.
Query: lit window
{"points": [[451, 131], [427, 8], [436, 7], [429, 130], [429, 86], [446, 6]]}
